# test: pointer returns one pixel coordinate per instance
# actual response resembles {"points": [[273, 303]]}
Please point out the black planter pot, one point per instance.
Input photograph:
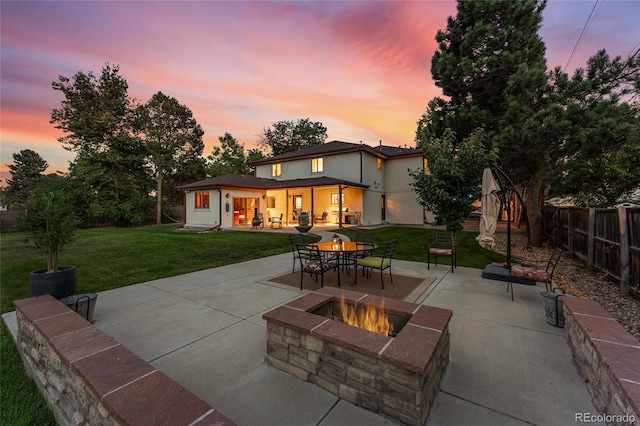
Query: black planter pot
{"points": [[58, 284]]}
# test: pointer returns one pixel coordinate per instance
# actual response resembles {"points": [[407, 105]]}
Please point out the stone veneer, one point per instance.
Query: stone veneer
{"points": [[608, 358], [397, 377], [88, 378]]}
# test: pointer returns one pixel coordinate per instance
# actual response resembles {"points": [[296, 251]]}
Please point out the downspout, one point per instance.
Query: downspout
{"points": [[339, 206], [220, 208], [185, 209]]}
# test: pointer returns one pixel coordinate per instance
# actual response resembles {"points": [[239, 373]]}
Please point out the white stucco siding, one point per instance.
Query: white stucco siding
{"points": [[371, 174], [402, 205], [396, 174], [202, 217], [372, 208]]}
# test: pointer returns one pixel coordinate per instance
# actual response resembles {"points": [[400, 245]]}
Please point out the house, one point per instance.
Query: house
{"points": [[351, 183]]}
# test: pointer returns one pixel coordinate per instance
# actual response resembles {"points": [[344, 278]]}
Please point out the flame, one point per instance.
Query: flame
{"points": [[368, 317]]}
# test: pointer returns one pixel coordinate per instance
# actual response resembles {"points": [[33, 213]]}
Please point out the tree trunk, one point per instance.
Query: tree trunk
{"points": [[159, 198], [535, 192]]}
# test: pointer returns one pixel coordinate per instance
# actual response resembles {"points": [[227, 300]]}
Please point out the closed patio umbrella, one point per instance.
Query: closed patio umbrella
{"points": [[490, 209]]}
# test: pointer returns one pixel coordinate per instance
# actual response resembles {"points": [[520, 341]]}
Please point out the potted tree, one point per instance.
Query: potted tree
{"points": [[52, 220]]}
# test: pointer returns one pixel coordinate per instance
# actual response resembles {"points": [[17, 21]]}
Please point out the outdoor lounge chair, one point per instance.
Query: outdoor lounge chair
{"points": [[277, 222], [442, 245], [539, 275], [381, 262], [323, 217]]}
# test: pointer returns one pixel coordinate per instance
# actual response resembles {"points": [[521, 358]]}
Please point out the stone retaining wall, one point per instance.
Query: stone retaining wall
{"points": [[88, 378], [608, 358]]}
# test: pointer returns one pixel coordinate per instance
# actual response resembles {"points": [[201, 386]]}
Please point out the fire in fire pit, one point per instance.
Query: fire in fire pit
{"points": [[368, 317]]}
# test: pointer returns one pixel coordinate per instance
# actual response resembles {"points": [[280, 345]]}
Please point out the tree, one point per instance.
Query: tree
{"points": [[228, 158], [26, 172], [169, 132], [596, 156], [97, 117], [452, 182], [491, 65], [549, 129], [290, 136]]}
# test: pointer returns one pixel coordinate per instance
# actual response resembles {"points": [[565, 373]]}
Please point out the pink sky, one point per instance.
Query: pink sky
{"points": [[361, 68]]}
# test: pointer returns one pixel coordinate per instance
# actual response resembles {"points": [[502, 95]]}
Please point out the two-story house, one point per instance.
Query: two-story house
{"points": [[350, 183]]}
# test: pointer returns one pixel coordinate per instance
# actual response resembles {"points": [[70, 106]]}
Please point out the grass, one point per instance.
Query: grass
{"points": [[110, 258]]}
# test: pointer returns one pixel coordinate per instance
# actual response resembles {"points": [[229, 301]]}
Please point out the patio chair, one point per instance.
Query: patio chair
{"points": [[381, 262], [539, 275], [443, 244], [277, 221], [367, 239], [312, 262], [296, 239], [323, 217]]}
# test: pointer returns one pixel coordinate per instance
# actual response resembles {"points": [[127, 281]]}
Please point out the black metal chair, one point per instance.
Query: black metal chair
{"points": [[539, 275], [366, 239], [443, 244], [312, 262], [381, 262], [296, 239]]}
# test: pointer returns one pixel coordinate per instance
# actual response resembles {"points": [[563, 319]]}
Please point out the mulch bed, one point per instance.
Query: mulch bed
{"points": [[401, 288], [574, 277]]}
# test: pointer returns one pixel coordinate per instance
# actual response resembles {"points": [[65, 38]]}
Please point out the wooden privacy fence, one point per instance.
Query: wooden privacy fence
{"points": [[606, 238]]}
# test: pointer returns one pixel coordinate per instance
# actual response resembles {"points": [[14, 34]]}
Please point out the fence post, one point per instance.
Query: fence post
{"points": [[570, 231], [591, 236], [624, 251]]}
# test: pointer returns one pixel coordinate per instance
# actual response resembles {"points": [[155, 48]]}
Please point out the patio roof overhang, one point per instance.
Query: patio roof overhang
{"points": [[252, 182]]}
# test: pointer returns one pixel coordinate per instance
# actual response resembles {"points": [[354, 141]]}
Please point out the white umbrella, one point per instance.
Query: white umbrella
{"points": [[490, 209]]}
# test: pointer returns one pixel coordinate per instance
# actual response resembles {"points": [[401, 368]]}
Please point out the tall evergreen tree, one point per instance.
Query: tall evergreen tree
{"points": [[490, 63], [26, 173], [577, 133]]}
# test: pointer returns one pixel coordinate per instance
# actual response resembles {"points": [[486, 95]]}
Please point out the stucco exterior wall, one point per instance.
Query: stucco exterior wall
{"points": [[206, 217]]}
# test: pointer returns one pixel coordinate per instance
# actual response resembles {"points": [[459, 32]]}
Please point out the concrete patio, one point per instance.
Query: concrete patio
{"points": [[205, 330]]}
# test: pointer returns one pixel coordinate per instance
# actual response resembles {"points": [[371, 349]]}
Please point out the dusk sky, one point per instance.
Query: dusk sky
{"points": [[362, 68]]}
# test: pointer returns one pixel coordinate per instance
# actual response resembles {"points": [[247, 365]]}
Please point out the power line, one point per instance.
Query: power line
{"points": [[583, 33]]}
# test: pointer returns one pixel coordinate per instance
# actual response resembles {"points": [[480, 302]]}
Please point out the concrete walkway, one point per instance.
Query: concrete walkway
{"points": [[204, 329]]}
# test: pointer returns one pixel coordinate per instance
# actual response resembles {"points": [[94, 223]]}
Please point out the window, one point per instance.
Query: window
{"points": [[271, 202], [202, 200], [317, 165], [276, 169], [379, 163], [425, 163], [335, 199]]}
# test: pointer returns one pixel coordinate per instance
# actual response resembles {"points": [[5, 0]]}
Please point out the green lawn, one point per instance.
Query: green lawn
{"points": [[110, 258]]}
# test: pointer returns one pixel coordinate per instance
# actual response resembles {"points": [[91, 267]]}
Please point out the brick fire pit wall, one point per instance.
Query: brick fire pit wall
{"points": [[397, 377]]}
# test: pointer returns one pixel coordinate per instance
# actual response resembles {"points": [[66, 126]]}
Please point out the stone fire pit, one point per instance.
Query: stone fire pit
{"points": [[397, 377]]}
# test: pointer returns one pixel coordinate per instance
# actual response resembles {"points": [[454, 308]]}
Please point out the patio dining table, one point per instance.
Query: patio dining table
{"points": [[345, 253]]}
